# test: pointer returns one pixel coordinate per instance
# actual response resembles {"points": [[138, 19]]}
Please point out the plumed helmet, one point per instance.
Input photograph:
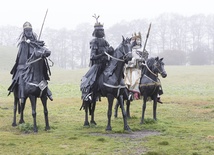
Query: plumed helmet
{"points": [[97, 25], [27, 25]]}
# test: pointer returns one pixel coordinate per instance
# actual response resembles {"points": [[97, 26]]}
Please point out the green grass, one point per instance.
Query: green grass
{"points": [[185, 120]]}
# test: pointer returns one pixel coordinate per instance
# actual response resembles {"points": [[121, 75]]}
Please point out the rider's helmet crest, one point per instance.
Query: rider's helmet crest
{"points": [[97, 25]]}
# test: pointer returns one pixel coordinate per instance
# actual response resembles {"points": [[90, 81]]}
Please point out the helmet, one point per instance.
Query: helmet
{"points": [[97, 25], [27, 25]]}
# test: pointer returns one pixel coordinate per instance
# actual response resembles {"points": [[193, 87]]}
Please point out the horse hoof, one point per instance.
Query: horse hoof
{"points": [[142, 122], [14, 124], [86, 124], [21, 121], [127, 129], [93, 123], [47, 128], [35, 130], [108, 129]]}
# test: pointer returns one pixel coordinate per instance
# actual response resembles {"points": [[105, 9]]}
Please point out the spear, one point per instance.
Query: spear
{"points": [[43, 24], [147, 36]]}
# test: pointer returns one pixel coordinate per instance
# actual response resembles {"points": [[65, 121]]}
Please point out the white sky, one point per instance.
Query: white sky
{"points": [[70, 13]]}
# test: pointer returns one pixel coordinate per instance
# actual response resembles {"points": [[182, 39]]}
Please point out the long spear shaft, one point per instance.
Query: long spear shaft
{"points": [[43, 25], [147, 36]]}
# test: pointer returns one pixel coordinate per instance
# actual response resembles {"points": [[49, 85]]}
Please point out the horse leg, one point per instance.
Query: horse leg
{"points": [[16, 103], [23, 101], [126, 126], [116, 109], [143, 109], [154, 108], [86, 105], [92, 113], [33, 106], [109, 113], [128, 108], [44, 102]]}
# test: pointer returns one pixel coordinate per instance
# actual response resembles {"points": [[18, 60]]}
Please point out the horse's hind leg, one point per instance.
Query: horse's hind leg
{"points": [[33, 106], [44, 103]]}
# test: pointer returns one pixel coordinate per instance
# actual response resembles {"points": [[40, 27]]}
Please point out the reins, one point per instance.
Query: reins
{"points": [[149, 69], [121, 60]]}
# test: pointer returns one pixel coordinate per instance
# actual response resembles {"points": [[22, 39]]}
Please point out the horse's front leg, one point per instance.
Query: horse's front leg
{"points": [[143, 108], [33, 106], [16, 104], [92, 113], [155, 108], [86, 105], [44, 103], [23, 101], [109, 113], [126, 126], [128, 108]]}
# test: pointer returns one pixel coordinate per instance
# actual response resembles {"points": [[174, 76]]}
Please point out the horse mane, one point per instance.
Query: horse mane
{"points": [[149, 62]]}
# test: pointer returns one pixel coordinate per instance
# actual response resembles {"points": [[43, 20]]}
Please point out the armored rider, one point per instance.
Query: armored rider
{"points": [[98, 60], [26, 41]]}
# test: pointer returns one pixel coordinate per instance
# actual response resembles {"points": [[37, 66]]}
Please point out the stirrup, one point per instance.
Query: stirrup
{"points": [[88, 97]]}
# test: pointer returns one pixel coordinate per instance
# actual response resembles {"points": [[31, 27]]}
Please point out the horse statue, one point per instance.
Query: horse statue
{"points": [[150, 83], [35, 85], [111, 84], [132, 74]]}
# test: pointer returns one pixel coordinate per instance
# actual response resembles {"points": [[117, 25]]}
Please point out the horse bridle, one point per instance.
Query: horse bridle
{"points": [[122, 60], [145, 64]]}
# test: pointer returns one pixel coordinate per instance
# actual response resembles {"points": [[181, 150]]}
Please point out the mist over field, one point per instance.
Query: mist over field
{"points": [[180, 40], [182, 32]]}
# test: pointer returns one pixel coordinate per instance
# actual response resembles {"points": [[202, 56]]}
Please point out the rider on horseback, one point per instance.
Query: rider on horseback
{"points": [[98, 60], [26, 43], [133, 68]]}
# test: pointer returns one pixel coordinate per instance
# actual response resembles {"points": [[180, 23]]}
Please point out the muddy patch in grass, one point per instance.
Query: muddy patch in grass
{"points": [[132, 135], [133, 141]]}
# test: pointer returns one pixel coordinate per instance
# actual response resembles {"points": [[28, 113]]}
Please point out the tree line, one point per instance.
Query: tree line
{"points": [[179, 39]]}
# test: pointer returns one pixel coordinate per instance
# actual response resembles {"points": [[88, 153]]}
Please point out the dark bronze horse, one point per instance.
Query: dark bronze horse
{"points": [[149, 83], [35, 85], [111, 84]]}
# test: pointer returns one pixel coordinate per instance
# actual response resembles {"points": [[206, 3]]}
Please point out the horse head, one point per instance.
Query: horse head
{"points": [[159, 67], [124, 51]]}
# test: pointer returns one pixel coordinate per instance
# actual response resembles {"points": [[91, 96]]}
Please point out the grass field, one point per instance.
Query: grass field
{"points": [[185, 123]]}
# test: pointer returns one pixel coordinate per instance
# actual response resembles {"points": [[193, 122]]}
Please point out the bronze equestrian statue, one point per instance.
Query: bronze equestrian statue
{"points": [[105, 77], [30, 74]]}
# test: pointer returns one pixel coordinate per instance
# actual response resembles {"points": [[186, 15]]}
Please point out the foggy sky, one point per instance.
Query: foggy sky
{"points": [[70, 13]]}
